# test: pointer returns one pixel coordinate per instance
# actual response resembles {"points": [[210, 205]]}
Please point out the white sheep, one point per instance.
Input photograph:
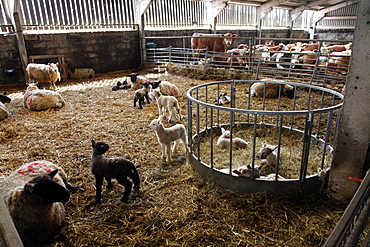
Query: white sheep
{"points": [[222, 99], [81, 73], [166, 102], [272, 89], [135, 80], [108, 168], [267, 154], [37, 99], [167, 88], [34, 195], [166, 136], [43, 73], [223, 141]]}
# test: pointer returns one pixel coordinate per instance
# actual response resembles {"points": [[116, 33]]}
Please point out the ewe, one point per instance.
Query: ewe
{"points": [[37, 99], [43, 73], [34, 195], [271, 90]]}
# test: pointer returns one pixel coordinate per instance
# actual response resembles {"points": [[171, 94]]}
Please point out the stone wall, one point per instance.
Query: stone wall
{"points": [[102, 51]]}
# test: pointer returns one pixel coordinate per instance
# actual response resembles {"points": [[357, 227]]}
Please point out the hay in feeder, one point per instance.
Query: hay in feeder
{"points": [[175, 206]]}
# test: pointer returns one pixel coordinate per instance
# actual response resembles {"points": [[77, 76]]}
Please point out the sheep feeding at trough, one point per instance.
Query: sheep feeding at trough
{"points": [[36, 99], [43, 73], [108, 168], [35, 195], [166, 136]]}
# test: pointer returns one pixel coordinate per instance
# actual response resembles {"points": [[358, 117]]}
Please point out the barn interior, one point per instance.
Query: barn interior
{"points": [[176, 205]]}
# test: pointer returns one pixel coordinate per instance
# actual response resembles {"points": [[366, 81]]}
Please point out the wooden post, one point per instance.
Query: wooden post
{"points": [[9, 234], [141, 6], [21, 44]]}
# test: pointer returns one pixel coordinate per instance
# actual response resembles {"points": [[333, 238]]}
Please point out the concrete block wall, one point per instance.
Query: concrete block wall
{"points": [[102, 51]]}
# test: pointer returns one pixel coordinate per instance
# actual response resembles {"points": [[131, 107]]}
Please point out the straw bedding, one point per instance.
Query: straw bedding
{"points": [[175, 206]]}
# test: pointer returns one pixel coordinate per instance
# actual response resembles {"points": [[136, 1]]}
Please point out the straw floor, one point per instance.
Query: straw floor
{"points": [[174, 206]]}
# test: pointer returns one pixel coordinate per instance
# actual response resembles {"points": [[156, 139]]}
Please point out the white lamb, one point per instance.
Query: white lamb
{"points": [[223, 141], [268, 154], [166, 102], [43, 73], [167, 88], [34, 195], [246, 171], [37, 99], [166, 136]]}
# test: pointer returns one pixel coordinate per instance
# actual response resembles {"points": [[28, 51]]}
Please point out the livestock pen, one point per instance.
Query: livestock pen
{"points": [[251, 62]]}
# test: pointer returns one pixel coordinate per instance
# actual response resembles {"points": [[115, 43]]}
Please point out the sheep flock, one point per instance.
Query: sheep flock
{"points": [[174, 205]]}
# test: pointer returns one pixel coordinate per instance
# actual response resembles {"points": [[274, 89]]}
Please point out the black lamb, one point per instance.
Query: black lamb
{"points": [[108, 168]]}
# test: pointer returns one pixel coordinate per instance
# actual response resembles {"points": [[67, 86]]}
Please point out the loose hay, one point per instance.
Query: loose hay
{"points": [[175, 206]]}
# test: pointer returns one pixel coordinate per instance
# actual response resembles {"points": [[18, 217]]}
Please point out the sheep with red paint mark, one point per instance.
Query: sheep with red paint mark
{"points": [[35, 194], [36, 99]]}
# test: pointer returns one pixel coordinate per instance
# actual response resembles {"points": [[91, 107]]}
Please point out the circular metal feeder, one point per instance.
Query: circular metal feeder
{"points": [[316, 107]]}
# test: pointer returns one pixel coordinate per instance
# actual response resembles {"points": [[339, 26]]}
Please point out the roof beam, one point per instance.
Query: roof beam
{"points": [[338, 6], [265, 8], [296, 12]]}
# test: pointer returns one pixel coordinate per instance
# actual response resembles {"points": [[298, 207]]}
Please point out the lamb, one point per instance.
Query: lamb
{"points": [[267, 154], [272, 89], [4, 98], [121, 85], [142, 94], [223, 141], [4, 112], [166, 136], [36, 99], [246, 171], [34, 195], [222, 99], [43, 73], [108, 168], [135, 80], [167, 88], [166, 102]]}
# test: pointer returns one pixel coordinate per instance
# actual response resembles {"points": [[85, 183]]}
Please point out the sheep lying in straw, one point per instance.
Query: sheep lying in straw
{"points": [[246, 171], [272, 89], [108, 168], [166, 102], [43, 73], [34, 195], [223, 141], [267, 154], [135, 80], [142, 94], [37, 99], [166, 136]]}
